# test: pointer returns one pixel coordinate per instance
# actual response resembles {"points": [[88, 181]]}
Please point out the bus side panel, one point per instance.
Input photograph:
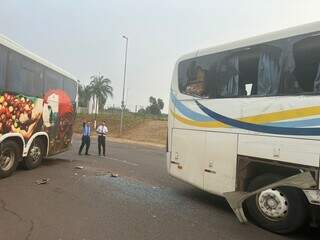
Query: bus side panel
{"points": [[289, 150], [187, 157], [221, 162]]}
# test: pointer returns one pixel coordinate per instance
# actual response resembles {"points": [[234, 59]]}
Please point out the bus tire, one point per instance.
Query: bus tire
{"points": [[9, 158], [280, 210], [35, 155]]}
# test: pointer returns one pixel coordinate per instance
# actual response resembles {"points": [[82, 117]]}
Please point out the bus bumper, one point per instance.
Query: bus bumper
{"points": [[235, 199]]}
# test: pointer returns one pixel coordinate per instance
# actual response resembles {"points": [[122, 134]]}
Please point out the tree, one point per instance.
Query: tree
{"points": [[155, 106], [101, 87], [84, 95]]}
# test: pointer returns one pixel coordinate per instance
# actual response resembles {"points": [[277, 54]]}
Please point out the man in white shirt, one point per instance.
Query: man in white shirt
{"points": [[102, 131]]}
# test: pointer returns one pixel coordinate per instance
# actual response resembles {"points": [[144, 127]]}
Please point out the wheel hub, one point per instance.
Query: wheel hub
{"points": [[273, 204], [35, 153]]}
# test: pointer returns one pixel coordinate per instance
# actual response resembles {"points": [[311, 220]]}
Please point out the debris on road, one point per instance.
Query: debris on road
{"points": [[42, 181], [79, 167], [115, 175]]}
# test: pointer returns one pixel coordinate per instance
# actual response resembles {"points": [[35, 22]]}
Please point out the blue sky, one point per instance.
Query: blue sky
{"points": [[84, 37]]}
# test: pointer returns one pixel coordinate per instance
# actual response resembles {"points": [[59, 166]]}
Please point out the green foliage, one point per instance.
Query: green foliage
{"points": [[84, 95], [99, 86], [116, 109], [155, 106]]}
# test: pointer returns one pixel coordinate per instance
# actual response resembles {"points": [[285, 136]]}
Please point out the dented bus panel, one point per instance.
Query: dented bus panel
{"points": [[244, 123]]}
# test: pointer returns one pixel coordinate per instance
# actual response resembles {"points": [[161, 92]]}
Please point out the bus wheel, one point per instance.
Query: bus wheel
{"points": [[9, 158], [280, 210], [35, 155]]}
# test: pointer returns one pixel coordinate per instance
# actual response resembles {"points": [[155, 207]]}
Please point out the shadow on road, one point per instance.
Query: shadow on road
{"points": [[54, 161], [205, 198]]}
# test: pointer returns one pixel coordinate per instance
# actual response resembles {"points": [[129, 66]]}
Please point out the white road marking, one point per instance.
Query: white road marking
{"points": [[123, 161]]}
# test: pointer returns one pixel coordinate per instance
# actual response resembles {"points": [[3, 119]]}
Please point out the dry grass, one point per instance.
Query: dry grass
{"points": [[153, 131], [136, 127]]}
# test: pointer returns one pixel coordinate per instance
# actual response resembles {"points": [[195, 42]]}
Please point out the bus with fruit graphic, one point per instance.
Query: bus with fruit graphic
{"points": [[37, 108]]}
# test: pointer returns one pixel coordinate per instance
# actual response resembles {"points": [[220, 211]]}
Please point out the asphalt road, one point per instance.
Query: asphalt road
{"points": [[142, 203]]}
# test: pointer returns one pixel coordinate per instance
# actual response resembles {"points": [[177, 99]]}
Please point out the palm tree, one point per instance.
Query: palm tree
{"points": [[101, 88], [84, 95]]}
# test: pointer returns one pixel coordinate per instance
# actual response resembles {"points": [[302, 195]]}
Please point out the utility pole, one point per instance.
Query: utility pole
{"points": [[124, 84]]}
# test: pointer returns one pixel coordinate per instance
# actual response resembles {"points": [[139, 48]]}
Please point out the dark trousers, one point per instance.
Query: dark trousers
{"points": [[85, 142], [102, 143]]}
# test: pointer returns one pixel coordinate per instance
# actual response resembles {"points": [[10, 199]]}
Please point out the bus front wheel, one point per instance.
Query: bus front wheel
{"points": [[280, 210], [9, 158], [35, 155]]}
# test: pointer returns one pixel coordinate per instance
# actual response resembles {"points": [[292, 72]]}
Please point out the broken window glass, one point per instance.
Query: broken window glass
{"points": [[306, 53]]}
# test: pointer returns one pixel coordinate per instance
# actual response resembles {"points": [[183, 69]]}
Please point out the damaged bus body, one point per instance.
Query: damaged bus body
{"points": [[244, 123]]}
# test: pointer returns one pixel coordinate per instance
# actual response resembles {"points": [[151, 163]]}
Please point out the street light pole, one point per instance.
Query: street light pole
{"points": [[124, 84]]}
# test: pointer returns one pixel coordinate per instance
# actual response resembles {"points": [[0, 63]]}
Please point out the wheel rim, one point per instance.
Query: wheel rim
{"points": [[7, 160], [273, 204], [35, 153]]}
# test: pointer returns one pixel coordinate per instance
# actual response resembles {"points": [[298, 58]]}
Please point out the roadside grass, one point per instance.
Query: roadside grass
{"points": [[136, 127]]}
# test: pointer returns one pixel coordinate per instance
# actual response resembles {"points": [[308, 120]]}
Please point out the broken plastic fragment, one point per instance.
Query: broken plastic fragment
{"points": [[114, 175], [79, 167], [42, 181]]}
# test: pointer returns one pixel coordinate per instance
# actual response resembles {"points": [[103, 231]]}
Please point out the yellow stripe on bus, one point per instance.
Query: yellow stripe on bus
{"points": [[257, 119]]}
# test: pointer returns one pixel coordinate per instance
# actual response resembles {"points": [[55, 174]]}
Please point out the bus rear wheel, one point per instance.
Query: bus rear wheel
{"points": [[35, 155], [9, 158], [280, 210]]}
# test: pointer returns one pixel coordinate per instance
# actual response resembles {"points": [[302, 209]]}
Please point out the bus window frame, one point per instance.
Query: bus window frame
{"points": [[237, 50]]}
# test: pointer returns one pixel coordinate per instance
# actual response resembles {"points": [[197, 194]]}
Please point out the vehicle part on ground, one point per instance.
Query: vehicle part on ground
{"points": [[9, 158], [313, 196], [236, 199], [42, 181]]}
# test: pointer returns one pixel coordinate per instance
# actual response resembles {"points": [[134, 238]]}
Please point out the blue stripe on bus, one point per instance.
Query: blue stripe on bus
{"points": [[259, 128], [297, 123], [188, 112]]}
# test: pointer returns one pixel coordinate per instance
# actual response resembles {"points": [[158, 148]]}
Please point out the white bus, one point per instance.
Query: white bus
{"points": [[244, 123], [37, 108]]}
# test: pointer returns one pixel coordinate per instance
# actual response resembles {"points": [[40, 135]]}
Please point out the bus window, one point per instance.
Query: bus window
{"points": [[52, 80], [3, 65], [70, 87], [192, 78], [31, 78], [24, 76], [223, 78], [13, 74], [307, 64], [259, 71]]}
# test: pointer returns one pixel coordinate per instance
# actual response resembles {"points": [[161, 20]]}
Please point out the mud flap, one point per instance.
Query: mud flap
{"points": [[235, 199]]}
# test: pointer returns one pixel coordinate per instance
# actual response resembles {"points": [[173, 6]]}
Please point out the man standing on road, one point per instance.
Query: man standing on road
{"points": [[102, 131], [85, 137]]}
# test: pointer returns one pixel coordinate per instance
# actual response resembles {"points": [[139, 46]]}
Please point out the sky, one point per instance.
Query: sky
{"points": [[84, 37]]}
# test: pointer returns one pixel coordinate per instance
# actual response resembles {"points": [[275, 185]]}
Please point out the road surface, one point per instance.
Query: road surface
{"points": [[143, 202]]}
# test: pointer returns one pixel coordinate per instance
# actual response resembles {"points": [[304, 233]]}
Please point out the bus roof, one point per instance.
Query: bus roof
{"points": [[289, 32], [5, 41]]}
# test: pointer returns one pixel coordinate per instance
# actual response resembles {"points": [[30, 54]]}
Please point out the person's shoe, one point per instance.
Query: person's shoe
{"points": [[79, 154], [88, 154]]}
